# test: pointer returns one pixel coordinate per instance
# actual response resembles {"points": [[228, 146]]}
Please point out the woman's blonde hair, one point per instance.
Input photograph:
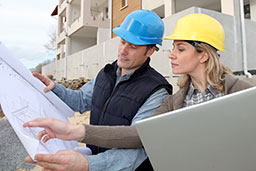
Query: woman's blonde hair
{"points": [[215, 70]]}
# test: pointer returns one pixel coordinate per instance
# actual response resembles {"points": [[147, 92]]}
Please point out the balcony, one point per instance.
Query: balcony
{"points": [[87, 13], [85, 22]]}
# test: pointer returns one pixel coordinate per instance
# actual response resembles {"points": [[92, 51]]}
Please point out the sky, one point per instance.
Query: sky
{"points": [[25, 26]]}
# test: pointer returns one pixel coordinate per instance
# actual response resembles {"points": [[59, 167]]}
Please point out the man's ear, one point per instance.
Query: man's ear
{"points": [[150, 51], [204, 56]]}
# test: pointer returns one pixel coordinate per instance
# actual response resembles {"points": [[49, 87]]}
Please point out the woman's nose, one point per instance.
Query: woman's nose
{"points": [[171, 55]]}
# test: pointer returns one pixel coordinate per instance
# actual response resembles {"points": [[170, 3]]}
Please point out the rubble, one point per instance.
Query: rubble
{"points": [[74, 84]]}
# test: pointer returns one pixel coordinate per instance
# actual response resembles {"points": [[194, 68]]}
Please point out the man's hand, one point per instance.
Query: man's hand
{"points": [[54, 128], [50, 85], [67, 160]]}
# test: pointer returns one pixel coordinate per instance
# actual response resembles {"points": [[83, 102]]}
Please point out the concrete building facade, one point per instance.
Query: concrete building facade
{"points": [[81, 24], [85, 42]]}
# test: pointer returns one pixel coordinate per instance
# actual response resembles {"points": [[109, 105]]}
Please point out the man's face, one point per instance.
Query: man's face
{"points": [[132, 57]]}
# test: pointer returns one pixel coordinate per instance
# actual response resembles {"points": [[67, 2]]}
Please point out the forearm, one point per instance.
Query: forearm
{"points": [[112, 136], [76, 132], [78, 100], [72, 98], [117, 159], [123, 136]]}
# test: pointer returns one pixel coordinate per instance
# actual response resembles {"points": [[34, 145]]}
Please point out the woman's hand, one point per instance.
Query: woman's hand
{"points": [[54, 128]]}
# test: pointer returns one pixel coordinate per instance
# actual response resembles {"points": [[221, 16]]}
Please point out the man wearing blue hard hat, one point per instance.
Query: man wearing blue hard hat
{"points": [[122, 93]]}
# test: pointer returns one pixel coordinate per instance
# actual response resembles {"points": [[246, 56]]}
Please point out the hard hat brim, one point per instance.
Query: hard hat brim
{"points": [[131, 38], [173, 37]]}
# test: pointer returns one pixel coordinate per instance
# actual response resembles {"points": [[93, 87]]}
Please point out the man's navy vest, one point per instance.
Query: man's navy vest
{"points": [[118, 105]]}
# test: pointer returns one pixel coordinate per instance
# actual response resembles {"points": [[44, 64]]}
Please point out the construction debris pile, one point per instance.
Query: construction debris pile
{"points": [[74, 84]]}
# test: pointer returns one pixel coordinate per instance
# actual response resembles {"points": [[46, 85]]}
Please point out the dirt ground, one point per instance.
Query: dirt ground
{"points": [[76, 119]]}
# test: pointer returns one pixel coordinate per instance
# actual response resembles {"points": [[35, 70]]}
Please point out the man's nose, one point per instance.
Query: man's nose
{"points": [[124, 48]]}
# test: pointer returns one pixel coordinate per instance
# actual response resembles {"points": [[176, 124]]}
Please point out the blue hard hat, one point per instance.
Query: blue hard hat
{"points": [[141, 27]]}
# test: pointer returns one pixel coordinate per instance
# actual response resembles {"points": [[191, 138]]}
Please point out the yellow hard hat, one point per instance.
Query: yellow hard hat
{"points": [[199, 27]]}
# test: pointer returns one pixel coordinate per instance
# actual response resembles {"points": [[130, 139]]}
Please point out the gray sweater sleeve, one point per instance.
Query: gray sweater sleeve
{"points": [[112, 136], [123, 136]]}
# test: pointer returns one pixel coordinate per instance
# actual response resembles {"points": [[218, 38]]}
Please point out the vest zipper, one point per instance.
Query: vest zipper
{"points": [[105, 106], [103, 112], [107, 102]]}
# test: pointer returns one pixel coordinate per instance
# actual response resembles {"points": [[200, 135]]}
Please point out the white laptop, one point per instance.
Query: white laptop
{"points": [[218, 135]]}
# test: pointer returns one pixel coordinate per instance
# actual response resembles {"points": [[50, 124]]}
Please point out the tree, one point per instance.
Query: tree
{"points": [[38, 68], [51, 44]]}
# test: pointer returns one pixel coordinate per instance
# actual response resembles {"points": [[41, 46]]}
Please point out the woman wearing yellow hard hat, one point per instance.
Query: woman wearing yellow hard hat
{"points": [[203, 77], [194, 55]]}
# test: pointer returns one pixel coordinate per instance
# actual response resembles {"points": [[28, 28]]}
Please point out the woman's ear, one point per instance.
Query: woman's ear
{"points": [[204, 57]]}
